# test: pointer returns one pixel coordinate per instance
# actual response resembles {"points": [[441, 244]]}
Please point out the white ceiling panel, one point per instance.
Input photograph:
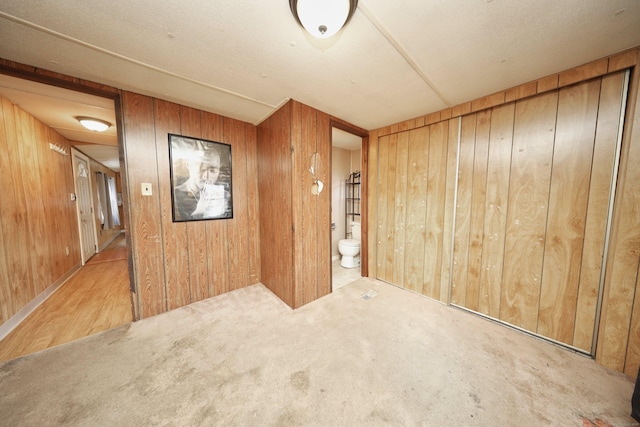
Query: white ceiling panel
{"points": [[243, 59]]}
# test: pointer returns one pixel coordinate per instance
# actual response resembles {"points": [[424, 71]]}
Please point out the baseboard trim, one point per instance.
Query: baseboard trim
{"points": [[16, 319]]}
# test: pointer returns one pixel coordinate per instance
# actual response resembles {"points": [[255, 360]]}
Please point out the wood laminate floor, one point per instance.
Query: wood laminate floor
{"points": [[95, 299]]}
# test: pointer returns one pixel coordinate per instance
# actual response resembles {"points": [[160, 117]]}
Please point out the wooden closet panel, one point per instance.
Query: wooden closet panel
{"points": [[176, 255], [216, 231], [381, 196], [496, 201], [478, 199], [436, 191], [386, 206], [567, 209], [533, 138], [234, 134], [391, 205], [463, 211], [604, 152], [449, 207], [417, 175], [400, 200], [619, 324]]}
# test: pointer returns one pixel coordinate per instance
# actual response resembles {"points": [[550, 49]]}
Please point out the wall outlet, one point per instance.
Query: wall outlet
{"points": [[146, 189]]}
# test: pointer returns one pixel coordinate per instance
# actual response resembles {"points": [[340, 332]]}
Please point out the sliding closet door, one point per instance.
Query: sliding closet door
{"points": [[534, 184], [412, 207]]}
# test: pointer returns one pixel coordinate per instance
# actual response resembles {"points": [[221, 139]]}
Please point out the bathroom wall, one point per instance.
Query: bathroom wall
{"points": [[343, 163]]}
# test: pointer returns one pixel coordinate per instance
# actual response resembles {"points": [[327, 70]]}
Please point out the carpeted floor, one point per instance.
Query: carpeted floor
{"points": [[246, 359]]}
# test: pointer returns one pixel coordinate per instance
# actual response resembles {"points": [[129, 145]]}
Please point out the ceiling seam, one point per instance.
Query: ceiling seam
{"points": [[401, 50], [126, 58]]}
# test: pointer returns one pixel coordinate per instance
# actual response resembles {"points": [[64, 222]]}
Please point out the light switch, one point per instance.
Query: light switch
{"points": [[146, 189]]}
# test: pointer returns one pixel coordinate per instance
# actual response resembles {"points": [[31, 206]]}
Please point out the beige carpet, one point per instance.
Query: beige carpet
{"points": [[246, 359]]}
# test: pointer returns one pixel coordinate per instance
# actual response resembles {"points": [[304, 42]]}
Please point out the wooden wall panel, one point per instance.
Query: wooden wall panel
{"points": [[36, 187], [276, 209], [567, 208], [495, 219], [323, 214], [253, 204], [459, 277], [478, 199], [303, 129], [381, 205], [618, 333], [174, 235], [294, 223], [435, 209], [517, 205], [449, 208], [372, 203], [191, 260], [604, 152], [527, 209], [10, 217], [391, 209], [234, 134], [32, 196], [46, 199], [146, 230], [197, 239], [399, 200], [416, 201], [217, 241]]}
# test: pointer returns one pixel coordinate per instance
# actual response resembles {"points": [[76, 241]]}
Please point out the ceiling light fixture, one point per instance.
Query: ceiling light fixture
{"points": [[323, 18], [95, 125]]}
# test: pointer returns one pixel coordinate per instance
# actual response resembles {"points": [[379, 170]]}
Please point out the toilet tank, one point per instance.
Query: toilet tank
{"points": [[355, 230]]}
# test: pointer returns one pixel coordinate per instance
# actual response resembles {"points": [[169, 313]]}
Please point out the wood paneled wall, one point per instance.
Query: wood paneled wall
{"points": [[176, 264], [37, 217], [483, 147], [294, 223], [411, 215], [532, 209]]}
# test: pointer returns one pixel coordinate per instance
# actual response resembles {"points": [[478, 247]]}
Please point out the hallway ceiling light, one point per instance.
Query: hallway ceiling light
{"points": [[323, 18], [95, 125]]}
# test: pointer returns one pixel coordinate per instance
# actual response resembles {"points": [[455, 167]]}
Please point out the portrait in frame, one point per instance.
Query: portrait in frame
{"points": [[200, 179]]}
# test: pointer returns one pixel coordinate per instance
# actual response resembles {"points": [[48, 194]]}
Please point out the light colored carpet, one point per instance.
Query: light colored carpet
{"points": [[246, 359]]}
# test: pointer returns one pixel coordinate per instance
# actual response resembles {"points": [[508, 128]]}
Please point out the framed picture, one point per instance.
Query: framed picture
{"points": [[200, 179]]}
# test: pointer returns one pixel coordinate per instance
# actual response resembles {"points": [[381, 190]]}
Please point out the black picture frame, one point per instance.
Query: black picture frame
{"points": [[201, 179]]}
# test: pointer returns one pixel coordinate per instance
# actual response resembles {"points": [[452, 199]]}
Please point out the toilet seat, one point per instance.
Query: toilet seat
{"points": [[350, 242]]}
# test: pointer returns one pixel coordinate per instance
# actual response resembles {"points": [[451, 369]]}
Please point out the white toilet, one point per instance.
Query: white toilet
{"points": [[350, 248]]}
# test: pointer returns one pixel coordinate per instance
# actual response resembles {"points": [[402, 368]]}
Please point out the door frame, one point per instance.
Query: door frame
{"points": [[364, 217]]}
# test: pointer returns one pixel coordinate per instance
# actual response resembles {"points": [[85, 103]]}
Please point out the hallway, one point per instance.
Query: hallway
{"points": [[95, 299]]}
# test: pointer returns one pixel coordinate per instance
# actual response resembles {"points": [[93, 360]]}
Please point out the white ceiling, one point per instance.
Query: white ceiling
{"points": [[243, 59]]}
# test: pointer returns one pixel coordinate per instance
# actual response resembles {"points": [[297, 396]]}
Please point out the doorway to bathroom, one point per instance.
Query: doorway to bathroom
{"points": [[346, 207]]}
